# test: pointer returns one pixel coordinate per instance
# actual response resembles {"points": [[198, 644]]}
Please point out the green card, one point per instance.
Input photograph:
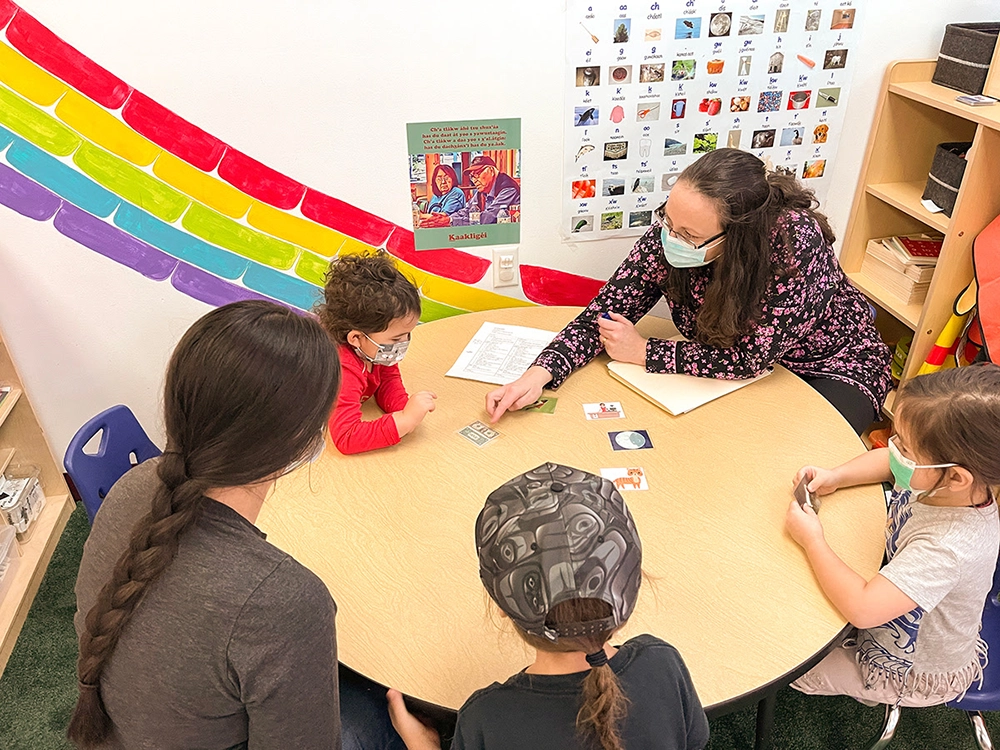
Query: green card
{"points": [[544, 405]]}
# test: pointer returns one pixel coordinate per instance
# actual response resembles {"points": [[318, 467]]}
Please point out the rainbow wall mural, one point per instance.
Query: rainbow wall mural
{"points": [[129, 179]]}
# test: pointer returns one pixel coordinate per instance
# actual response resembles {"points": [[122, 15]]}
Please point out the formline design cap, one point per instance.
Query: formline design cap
{"points": [[480, 162], [557, 533]]}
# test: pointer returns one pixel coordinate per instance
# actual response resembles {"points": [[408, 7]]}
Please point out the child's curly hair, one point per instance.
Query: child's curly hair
{"points": [[365, 292]]}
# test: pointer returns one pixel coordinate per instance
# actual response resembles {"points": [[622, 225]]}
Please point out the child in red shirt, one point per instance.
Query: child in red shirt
{"points": [[369, 309]]}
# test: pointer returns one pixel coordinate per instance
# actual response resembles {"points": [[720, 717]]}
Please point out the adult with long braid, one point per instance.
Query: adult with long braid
{"points": [[194, 630]]}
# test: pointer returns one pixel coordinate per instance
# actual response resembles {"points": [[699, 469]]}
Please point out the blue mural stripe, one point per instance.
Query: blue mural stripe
{"points": [[6, 138], [280, 286], [114, 243], [60, 179], [25, 196], [180, 244]]}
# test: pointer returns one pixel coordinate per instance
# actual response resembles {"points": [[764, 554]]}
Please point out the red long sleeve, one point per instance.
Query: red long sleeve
{"points": [[350, 433]]}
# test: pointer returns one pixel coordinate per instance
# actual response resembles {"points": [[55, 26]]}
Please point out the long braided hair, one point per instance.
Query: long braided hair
{"points": [[248, 391]]}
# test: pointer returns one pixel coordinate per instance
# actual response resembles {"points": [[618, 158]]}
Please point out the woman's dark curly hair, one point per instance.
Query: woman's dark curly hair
{"points": [[365, 292]]}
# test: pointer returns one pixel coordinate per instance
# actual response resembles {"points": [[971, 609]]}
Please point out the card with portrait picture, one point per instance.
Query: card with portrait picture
{"points": [[604, 410]]}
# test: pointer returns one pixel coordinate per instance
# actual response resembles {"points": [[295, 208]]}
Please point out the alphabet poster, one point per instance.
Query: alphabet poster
{"points": [[652, 86], [465, 182]]}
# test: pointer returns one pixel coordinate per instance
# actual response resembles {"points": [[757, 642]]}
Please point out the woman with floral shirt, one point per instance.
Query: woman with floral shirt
{"points": [[747, 268]]}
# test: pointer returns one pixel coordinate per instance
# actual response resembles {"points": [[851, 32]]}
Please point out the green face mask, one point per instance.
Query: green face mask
{"points": [[902, 469]]}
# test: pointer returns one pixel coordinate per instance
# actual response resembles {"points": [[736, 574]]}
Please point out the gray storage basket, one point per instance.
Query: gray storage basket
{"points": [[945, 178], [966, 52]]}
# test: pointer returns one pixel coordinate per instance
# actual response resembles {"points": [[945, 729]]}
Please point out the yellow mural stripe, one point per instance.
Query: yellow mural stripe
{"points": [[301, 232], [201, 186], [103, 128], [28, 79], [457, 294], [352, 246]]}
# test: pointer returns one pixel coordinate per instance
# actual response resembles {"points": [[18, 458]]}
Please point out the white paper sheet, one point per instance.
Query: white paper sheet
{"points": [[499, 354]]}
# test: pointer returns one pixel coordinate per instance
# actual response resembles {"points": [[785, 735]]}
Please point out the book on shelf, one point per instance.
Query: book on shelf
{"points": [[909, 283], [915, 249]]}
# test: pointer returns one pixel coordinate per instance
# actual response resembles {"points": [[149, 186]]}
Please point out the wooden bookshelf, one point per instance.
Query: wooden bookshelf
{"points": [[912, 117], [22, 440]]}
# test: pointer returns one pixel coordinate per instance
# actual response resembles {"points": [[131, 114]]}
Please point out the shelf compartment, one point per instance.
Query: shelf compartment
{"points": [[908, 314], [6, 454], [943, 98], [906, 197], [8, 404]]}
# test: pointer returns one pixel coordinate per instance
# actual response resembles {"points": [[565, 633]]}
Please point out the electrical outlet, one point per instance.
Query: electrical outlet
{"points": [[505, 267]]}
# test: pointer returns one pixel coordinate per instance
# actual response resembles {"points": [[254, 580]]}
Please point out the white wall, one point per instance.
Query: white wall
{"points": [[321, 90]]}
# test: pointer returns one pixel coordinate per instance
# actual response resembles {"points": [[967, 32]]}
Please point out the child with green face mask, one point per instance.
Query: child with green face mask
{"points": [[918, 620]]}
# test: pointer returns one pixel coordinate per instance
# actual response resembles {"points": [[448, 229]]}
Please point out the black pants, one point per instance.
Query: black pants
{"points": [[852, 403]]}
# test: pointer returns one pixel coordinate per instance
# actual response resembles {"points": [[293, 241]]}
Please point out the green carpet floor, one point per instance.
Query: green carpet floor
{"points": [[38, 688]]}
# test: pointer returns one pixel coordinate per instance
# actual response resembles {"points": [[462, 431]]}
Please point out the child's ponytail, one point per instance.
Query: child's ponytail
{"points": [[604, 706]]}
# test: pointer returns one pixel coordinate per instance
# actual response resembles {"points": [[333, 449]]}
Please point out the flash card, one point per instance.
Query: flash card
{"points": [[604, 410], [632, 478], [630, 440], [544, 405], [474, 437]]}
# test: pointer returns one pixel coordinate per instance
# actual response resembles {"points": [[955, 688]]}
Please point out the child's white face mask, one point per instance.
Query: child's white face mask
{"points": [[385, 354]]}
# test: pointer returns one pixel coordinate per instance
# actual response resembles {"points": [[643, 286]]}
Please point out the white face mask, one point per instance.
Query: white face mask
{"points": [[385, 354], [682, 254]]}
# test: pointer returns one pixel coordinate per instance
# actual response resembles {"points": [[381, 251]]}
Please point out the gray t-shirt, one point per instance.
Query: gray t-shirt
{"points": [[233, 646], [943, 559]]}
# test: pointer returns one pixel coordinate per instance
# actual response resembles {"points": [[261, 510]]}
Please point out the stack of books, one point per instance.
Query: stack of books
{"points": [[903, 265]]}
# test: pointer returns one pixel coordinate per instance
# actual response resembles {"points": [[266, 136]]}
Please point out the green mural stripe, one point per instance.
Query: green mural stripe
{"points": [[30, 122], [232, 235], [131, 183]]}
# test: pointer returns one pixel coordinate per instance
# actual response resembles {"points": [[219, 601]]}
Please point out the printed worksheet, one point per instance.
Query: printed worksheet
{"points": [[500, 354]]}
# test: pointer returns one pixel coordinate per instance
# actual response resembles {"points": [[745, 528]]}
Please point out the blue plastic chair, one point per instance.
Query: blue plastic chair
{"points": [[94, 473], [977, 698]]}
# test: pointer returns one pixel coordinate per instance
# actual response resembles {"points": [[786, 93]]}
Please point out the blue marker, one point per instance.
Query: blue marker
{"points": [[605, 316]]}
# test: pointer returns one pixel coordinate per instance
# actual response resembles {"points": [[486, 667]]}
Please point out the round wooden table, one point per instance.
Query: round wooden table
{"points": [[391, 531]]}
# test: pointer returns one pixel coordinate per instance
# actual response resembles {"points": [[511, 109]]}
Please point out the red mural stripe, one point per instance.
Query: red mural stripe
{"points": [[39, 44], [547, 286], [345, 218], [449, 263], [7, 11], [173, 132], [260, 181]]}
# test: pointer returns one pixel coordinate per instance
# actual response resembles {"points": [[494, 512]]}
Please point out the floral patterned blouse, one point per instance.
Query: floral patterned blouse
{"points": [[813, 321]]}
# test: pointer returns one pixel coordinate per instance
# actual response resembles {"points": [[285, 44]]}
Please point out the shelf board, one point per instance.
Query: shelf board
{"points": [[5, 456], [908, 314], [35, 556], [943, 98], [906, 197], [890, 401], [8, 403]]}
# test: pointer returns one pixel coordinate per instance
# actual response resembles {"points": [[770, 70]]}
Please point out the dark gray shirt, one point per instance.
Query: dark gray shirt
{"points": [[538, 712], [233, 646]]}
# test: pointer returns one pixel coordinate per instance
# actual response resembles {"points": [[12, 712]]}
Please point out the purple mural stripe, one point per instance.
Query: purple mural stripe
{"points": [[209, 289], [114, 243], [26, 196]]}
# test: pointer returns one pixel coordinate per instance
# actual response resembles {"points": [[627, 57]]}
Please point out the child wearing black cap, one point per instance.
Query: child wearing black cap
{"points": [[560, 555]]}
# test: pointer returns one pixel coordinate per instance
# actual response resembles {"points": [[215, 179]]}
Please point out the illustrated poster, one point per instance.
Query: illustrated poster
{"points": [[653, 86], [465, 182]]}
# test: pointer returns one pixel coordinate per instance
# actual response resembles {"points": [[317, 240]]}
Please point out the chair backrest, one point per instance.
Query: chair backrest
{"points": [[988, 697], [122, 437]]}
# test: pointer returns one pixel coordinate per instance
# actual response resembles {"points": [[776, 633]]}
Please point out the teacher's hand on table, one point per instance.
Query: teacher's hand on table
{"points": [[620, 339], [527, 389], [414, 733]]}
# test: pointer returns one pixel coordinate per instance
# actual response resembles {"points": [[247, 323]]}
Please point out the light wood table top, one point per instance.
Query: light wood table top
{"points": [[391, 532]]}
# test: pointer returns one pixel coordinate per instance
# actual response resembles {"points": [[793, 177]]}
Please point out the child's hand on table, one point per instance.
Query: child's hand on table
{"points": [[417, 407], [414, 733], [803, 524], [821, 481]]}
